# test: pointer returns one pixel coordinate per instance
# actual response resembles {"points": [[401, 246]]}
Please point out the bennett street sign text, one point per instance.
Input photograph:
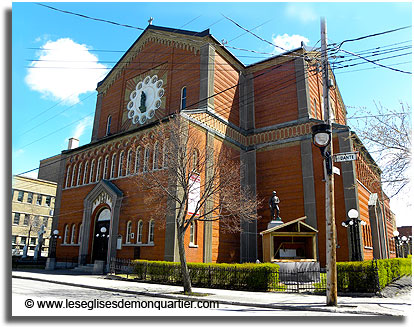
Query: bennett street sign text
{"points": [[346, 156]]}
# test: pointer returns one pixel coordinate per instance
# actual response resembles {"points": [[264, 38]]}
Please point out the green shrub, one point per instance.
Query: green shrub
{"points": [[248, 276]]}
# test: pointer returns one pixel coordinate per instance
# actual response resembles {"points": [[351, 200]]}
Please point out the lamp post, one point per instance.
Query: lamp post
{"points": [[353, 224], [396, 243], [53, 240]]}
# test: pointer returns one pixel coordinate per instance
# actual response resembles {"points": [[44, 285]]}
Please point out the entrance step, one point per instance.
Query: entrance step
{"points": [[84, 268]]}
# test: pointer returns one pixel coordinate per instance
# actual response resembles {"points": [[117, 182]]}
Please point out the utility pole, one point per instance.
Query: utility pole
{"points": [[331, 279]]}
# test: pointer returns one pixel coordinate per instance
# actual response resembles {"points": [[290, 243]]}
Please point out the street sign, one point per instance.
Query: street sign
{"points": [[346, 156]]}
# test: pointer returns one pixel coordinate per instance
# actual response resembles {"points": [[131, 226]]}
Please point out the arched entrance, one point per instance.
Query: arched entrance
{"points": [[101, 235]]}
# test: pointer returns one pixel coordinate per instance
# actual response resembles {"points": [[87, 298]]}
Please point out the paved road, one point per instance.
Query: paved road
{"points": [[27, 293]]}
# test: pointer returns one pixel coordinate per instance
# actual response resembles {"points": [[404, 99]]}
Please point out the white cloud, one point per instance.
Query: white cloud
{"points": [[288, 42], [304, 12], [81, 126], [63, 70]]}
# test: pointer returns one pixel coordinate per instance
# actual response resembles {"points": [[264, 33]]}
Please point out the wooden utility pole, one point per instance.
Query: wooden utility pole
{"points": [[331, 280]]}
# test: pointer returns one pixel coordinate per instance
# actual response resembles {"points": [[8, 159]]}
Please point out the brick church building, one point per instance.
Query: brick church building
{"points": [[263, 111]]}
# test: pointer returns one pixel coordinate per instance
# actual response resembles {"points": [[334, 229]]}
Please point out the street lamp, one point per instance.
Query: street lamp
{"points": [[396, 243], [353, 224], [321, 137], [53, 239]]}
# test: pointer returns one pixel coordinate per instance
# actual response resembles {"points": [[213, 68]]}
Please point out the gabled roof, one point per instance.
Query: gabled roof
{"points": [[296, 221]]}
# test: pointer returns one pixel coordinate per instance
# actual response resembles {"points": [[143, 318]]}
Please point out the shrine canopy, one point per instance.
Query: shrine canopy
{"points": [[291, 241]]}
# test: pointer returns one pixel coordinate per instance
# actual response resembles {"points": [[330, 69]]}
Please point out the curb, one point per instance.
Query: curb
{"points": [[227, 302]]}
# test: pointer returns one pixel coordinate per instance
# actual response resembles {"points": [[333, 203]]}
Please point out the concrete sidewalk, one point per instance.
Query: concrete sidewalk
{"points": [[398, 305]]}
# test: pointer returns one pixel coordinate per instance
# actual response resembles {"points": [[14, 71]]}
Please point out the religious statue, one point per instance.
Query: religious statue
{"points": [[142, 107], [38, 249], [274, 206]]}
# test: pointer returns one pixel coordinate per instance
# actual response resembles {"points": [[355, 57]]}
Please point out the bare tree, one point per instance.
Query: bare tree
{"points": [[192, 179], [387, 136]]}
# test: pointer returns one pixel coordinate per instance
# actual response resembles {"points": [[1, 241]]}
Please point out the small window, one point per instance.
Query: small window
{"points": [[183, 97], [105, 169], [39, 199], [113, 162], [66, 235], [139, 231], [72, 182], [16, 219], [146, 158], [26, 219], [128, 232], [128, 163], [108, 125], [98, 170], [48, 200], [85, 173], [137, 160], [165, 154], [78, 182], [156, 156], [91, 171], [33, 241], [120, 164], [23, 240], [72, 235], [14, 239], [68, 177], [30, 197], [192, 233], [151, 232], [80, 234], [20, 196]]}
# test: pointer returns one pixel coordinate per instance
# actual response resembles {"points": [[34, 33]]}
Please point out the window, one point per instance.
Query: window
{"points": [[128, 232], [128, 163], [98, 170], [108, 125], [72, 183], [105, 169], [39, 199], [155, 157], [137, 160], [151, 232], [30, 197], [33, 241], [79, 174], [20, 196], [66, 235], [48, 200], [91, 170], [72, 235], [80, 234], [14, 239], [16, 219], [192, 233], [195, 160], [120, 164], [85, 173], [26, 219], [183, 97], [139, 231], [113, 162], [45, 220], [165, 154], [67, 177], [146, 158], [23, 240], [36, 221]]}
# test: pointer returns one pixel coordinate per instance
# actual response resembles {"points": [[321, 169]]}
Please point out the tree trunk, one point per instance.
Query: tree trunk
{"points": [[184, 269]]}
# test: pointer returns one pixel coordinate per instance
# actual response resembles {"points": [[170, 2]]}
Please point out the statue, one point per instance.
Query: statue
{"points": [[142, 107], [274, 206], [38, 249]]}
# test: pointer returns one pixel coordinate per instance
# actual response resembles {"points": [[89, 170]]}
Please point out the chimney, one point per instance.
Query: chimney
{"points": [[73, 143]]}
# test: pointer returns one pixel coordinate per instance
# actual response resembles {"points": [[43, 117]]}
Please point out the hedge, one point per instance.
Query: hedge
{"points": [[247, 276]]}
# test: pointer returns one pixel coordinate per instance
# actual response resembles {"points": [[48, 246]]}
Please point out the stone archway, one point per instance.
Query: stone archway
{"points": [[108, 194], [101, 235]]}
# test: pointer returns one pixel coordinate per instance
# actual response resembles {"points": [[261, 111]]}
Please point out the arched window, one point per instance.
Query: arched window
{"points": [[137, 160], [72, 183], [183, 97], [80, 233], [72, 234], [98, 169], [66, 235], [193, 233], [85, 173], [146, 158], [165, 154], [156, 155], [151, 231], [91, 171], [139, 231], [68, 177], [108, 125], [105, 169], [113, 162], [128, 163], [128, 232], [79, 174], [120, 164]]}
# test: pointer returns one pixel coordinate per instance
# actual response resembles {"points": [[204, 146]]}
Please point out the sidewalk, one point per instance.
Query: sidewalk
{"points": [[396, 300]]}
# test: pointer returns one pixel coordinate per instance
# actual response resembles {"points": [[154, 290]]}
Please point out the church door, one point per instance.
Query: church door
{"points": [[101, 236]]}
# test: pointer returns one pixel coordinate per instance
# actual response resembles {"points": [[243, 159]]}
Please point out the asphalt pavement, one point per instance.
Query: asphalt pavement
{"points": [[395, 300]]}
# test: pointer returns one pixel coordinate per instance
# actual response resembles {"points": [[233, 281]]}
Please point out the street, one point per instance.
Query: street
{"points": [[28, 296]]}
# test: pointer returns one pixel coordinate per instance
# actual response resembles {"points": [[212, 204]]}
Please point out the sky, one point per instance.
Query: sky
{"points": [[54, 92]]}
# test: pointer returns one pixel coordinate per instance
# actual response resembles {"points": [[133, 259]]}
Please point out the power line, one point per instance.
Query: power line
{"points": [[89, 17]]}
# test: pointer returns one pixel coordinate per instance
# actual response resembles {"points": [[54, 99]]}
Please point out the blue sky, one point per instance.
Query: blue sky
{"points": [[51, 105]]}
